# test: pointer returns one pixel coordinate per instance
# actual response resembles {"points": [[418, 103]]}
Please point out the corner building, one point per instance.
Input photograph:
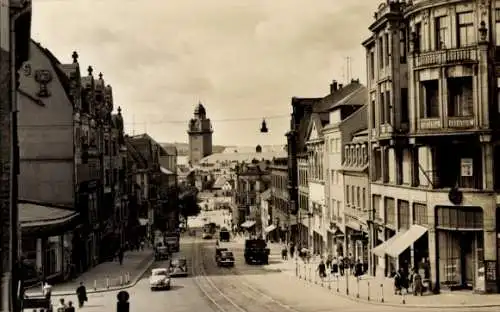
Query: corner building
{"points": [[433, 135]]}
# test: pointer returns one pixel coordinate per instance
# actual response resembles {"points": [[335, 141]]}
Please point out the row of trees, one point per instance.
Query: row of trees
{"points": [[188, 201]]}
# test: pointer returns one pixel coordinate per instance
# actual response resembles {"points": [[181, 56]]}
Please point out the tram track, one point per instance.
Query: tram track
{"points": [[226, 290]]}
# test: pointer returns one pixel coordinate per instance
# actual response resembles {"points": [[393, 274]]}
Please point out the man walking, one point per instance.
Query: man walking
{"points": [[81, 294]]}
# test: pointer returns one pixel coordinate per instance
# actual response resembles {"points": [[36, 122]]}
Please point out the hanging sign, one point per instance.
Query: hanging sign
{"points": [[466, 168]]}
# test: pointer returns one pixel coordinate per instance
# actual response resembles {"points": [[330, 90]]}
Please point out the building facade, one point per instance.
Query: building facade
{"points": [[278, 208], [200, 135], [433, 173], [356, 187]]}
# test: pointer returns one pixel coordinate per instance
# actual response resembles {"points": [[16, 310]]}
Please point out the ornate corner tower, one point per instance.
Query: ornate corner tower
{"points": [[200, 135]]}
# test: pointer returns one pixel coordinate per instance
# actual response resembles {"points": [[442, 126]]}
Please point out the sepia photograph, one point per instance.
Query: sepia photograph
{"points": [[249, 155]]}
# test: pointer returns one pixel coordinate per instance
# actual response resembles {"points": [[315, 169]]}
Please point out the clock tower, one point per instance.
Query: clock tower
{"points": [[200, 135]]}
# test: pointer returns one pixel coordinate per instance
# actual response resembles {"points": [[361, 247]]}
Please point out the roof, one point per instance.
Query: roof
{"points": [[220, 182], [56, 64], [241, 157], [340, 97], [135, 154], [170, 149], [31, 215], [266, 194]]}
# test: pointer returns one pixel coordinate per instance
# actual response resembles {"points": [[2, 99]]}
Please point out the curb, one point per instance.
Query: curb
{"points": [[132, 283], [401, 305]]}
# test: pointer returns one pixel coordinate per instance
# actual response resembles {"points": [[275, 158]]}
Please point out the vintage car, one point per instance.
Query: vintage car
{"points": [[160, 279], [226, 259], [161, 252], [218, 251], [178, 267]]}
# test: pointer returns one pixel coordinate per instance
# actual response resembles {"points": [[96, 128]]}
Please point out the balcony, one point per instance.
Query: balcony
{"points": [[447, 57]]}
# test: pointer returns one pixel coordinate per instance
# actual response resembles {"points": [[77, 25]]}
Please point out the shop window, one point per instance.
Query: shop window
{"points": [[420, 214], [403, 215], [459, 217], [51, 263], [376, 205]]}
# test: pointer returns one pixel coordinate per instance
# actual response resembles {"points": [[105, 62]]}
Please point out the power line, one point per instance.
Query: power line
{"points": [[159, 122]]}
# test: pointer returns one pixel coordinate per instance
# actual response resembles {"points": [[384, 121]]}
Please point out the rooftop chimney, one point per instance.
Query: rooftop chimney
{"points": [[333, 86]]}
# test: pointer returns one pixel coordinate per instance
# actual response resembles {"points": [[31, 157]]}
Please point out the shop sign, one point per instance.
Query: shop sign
{"points": [[466, 167]]}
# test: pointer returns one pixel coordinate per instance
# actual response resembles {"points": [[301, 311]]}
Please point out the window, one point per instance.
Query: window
{"points": [[372, 110], [377, 164], [459, 217], [387, 49], [441, 31], [402, 45], [353, 194], [347, 197], [460, 100], [363, 205], [372, 64], [358, 197], [429, 92], [376, 206], [403, 214], [382, 108], [465, 29], [390, 211], [497, 27], [419, 42], [420, 214], [381, 52], [387, 106], [405, 116]]}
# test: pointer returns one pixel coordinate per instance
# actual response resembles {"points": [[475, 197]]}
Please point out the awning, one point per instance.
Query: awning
{"points": [[405, 240], [166, 171], [248, 224], [143, 221], [38, 218], [270, 228], [380, 250]]}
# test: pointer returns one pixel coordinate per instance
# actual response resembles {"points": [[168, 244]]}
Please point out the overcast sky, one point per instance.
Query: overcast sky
{"points": [[240, 58]]}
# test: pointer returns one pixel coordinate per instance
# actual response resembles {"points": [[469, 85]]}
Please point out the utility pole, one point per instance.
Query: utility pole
{"points": [[15, 39]]}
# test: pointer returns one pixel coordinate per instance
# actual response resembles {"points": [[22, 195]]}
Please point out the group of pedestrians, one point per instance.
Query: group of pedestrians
{"points": [[340, 266], [81, 294]]}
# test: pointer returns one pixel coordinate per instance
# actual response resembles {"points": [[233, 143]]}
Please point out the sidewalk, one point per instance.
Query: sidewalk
{"points": [[380, 291], [106, 276]]}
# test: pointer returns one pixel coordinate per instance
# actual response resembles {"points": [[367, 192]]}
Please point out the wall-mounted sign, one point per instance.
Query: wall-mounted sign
{"points": [[466, 167], [43, 77], [27, 70]]}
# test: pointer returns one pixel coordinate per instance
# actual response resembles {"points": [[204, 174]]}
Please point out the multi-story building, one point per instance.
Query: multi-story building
{"points": [[251, 181], [47, 211], [16, 42], [318, 125], [168, 187], [200, 135], [278, 208], [433, 176], [356, 188]]}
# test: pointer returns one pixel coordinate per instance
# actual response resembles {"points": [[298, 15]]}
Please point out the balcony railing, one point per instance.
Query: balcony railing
{"points": [[443, 57]]}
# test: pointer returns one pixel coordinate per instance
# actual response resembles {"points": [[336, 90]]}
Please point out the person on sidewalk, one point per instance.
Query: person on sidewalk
{"points": [[418, 286], [120, 256], [358, 269], [335, 267], [321, 269], [47, 290], [81, 294], [329, 259], [61, 307], [292, 250], [284, 253], [341, 266], [70, 307]]}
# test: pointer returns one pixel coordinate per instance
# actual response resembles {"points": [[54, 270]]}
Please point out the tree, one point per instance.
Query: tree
{"points": [[188, 203]]}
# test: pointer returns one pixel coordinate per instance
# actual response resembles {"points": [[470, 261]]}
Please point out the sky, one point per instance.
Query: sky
{"points": [[243, 59]]}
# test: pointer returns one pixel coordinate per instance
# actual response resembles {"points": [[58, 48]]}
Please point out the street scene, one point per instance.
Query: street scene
{"points": [[249, 156]]}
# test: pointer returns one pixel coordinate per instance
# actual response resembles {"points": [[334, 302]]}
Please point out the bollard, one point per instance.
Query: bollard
{"points": [[403, 296], [330, 282], [95, 284], [368, 290], [121, 280], [310, 274], [296, 268], [122, 305], [338, 281], [107, 282], [381, 292], [128, 277], [357, 287]]}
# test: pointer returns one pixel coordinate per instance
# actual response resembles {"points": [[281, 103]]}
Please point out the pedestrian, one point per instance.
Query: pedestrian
{"points": [[397, 283], [62, 306], [292, 249], [418, 286], [341, 266], [329, 259], [120, 256], [321, 269], [47, 290], [358, 268], [335, 267], [70, 307], [81, 294], [284, 253]]}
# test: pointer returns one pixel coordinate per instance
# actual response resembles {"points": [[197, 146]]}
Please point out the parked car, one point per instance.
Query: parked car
{"points": [[178, 267], [226, 259], [218, 251], [160, 279]]}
